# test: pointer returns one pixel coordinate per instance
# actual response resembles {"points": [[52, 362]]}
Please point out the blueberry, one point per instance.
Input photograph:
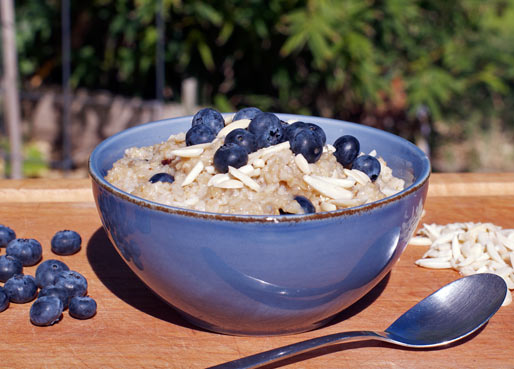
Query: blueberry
{"points": [[229, 155], [46, 310], [21, 288], [211, 118], [292, 129], [246, 113], [4, 299], [309, 144], [306, 205], [199, 134], [369, 165], [58, 292], [318, 131], [48, 270], [6, 235], [82, 307], [9, 266], [243, 138], [162, 177], [347, 148], [27, 250], [66, 242], [71, 281], [267, 129]]}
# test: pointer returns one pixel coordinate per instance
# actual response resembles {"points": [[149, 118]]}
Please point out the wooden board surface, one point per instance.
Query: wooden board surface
{"points": [[135, 329]]}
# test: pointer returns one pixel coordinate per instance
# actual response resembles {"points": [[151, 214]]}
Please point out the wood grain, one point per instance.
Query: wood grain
{"points": [[135, 329]]}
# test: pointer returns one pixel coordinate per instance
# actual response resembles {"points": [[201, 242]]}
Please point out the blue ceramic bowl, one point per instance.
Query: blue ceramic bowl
{"points": [[261, 275]]}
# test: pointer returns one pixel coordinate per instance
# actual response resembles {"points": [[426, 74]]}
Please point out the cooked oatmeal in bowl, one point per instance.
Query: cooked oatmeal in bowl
{"points": [[254, 165], [227, 267]]}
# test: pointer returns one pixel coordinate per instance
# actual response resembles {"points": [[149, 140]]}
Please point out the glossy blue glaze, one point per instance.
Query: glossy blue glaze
{"points": [[261, 275]]}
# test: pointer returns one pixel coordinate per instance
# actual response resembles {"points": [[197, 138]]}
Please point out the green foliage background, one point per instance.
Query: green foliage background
{"points": [[372, 61]]}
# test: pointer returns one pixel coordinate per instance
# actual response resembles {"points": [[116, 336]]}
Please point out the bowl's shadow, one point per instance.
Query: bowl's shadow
{"points": [[114, 273]]}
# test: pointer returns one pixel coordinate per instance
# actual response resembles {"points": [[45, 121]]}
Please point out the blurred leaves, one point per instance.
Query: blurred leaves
{"points": [[363, 60]]}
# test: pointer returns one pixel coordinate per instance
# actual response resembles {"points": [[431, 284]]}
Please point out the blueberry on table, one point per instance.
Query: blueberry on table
{"points": [[199, 134], [162, 177], [229, 155], [46, 310], [21, 288], [309, 144], [82, 307], [306, 205], [211, 118], [4, 299], [347, 148], [59, 292], [246, 113], [369, 165], [48, 270], [72, 281], [9, 266], [243, 138], [66, 242], [27, 250], [6, 235], [267, 129]]}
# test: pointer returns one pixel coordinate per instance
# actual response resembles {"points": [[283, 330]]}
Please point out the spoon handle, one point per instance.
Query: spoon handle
{"points": [[271, 356]]}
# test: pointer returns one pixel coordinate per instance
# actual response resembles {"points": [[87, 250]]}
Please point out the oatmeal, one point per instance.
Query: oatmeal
{"points": [[245, 166]]}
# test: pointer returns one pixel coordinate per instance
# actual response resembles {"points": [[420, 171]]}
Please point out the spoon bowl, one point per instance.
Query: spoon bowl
{"points": [[447, 315]]}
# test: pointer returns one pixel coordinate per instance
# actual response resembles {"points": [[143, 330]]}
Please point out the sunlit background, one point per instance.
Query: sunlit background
{"points": [[439, 73]]}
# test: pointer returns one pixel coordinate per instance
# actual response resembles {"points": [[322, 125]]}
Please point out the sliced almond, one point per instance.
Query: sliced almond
{"points": [[361, 177], [189, 151], [228, 119], [247, 169], [267, 151], [193, 173], [250, 171], [348, 203], [241, 123], [328, 206], [420, 241], [244, 178], [259, 163], [434, 263], [340, 182], [231, 183], [327, 189], [180, 137], [218, 178], [302, 164]]}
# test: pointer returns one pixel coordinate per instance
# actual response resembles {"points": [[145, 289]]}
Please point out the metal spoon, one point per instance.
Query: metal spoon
{"points": [[449, 314]]}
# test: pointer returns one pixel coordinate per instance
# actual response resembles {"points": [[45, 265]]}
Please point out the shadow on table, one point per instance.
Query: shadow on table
{"points": [[112, 271]]}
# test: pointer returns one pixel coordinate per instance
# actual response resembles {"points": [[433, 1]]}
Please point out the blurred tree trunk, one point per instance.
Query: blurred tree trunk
{"points": [[10, 84]]}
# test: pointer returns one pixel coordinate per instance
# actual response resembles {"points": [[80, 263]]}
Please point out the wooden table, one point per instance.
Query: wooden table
{"points": [[135, 329]]}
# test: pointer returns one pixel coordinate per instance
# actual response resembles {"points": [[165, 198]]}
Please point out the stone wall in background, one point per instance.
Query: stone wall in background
{"points": [[94, 117]]}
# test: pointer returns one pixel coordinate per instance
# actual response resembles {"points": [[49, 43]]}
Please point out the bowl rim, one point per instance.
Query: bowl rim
{"points": [[276, 219]]}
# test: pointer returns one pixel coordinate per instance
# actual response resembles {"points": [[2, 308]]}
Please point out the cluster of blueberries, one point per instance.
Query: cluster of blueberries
{"points": [[59, 287], [266, 129]]}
